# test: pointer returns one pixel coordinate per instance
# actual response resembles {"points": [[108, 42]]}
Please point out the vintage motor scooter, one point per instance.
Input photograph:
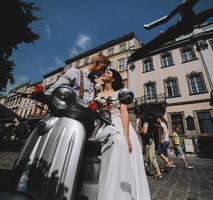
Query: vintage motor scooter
{"points": [[58, 161]]}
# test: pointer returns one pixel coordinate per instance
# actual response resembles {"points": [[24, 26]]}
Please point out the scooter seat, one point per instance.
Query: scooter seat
{"points": [[92, 148]]}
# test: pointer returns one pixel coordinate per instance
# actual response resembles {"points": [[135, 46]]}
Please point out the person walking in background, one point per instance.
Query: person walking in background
{"points": [[163, 135], [147, 133], [177, 147]]}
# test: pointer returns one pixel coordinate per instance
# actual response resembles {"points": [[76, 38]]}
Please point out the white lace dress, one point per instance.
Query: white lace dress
{"points": [[122, 174]]}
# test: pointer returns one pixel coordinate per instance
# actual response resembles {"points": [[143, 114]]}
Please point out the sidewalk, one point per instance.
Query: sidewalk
{"points": [[185, 184]]}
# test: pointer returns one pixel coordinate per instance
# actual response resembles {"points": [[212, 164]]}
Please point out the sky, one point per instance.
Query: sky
{"points": [[70, 27]]}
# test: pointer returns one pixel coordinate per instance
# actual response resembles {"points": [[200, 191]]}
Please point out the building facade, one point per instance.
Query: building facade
{"points": [[175, 81], [117, 50], [13, 101], [51, 77]]}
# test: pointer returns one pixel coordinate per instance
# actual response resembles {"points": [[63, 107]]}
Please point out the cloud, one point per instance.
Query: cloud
{"points": [[22, 79], [47, 29], [58, 61], [82, 43], [73, 51]]}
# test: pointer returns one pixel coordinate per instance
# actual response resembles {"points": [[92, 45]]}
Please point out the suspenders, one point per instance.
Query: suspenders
{"points": [[81, 93]]}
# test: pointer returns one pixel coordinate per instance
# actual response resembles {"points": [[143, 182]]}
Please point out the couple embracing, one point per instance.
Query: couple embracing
{"points": [[122, 173]]}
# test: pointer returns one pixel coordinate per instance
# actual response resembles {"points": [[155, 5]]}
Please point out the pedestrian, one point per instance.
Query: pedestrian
{"points": [[163, 135], [147, 133], [178, 151]]}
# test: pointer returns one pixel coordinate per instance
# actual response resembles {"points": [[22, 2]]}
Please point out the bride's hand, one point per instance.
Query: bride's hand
{"points": [[129, 144]]}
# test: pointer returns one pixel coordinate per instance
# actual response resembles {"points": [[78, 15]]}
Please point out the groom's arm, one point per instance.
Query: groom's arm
{"points": [[67, 78]]}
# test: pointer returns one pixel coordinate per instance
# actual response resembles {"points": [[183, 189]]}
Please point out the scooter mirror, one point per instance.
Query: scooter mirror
{"points": [[125, 96]]}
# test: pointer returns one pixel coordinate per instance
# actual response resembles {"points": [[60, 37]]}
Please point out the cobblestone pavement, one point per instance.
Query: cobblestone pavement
{"points": [[185, 184], [178, 184]]}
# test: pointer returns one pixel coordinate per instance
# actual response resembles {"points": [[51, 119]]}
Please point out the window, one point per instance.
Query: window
{"points": [[150, 91], [30, 113], [13, 100], [187, 54], [177, 120], [58, 76], [196, 83], [17, 97], [148, 65], [77, 64], [25, 101], [28, 102], [24, 113], [172, 88], [51, 80], [166, 60], [5, 103], [110, 51], [121, 64], [123, 47], [20, 98], [190, 123], [21, 113], [86, 60], [205, 122]]}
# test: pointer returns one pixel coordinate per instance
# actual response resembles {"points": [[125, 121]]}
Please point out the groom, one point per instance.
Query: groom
{"points": [[96, 67]]}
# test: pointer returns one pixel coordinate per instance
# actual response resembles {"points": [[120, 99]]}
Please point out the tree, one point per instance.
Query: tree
{"points": [[15, 18]]}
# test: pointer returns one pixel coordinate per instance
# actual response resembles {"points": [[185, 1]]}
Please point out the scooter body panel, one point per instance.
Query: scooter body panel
{"points": [[56, 156]]}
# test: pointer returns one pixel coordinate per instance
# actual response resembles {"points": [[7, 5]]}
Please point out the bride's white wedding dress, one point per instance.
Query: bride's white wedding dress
{"points": [[122, 174]]}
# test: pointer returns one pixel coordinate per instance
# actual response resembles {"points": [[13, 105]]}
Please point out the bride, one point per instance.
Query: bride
{"points": [[122, 173]]}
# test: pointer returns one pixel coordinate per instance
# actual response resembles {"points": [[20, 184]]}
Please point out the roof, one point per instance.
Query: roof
{"points": [[20, 86], [60, 69], [154, 48], [106, 45], [38, 82]]}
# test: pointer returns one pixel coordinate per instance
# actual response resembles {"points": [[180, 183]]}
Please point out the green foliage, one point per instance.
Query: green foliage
{"points": [[15, 19]]}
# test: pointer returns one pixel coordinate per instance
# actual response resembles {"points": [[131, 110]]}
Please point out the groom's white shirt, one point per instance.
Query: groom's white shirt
{"points": [[74, 73]]}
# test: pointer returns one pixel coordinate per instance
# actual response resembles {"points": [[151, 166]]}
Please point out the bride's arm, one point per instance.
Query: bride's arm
{"points": [[125, 123]]}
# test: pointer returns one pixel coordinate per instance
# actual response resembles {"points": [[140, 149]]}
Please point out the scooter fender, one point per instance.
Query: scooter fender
{"points": [[56, 156]]}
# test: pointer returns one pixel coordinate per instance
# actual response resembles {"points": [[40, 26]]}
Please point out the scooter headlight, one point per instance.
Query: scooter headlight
{"points": [[63, 97]]}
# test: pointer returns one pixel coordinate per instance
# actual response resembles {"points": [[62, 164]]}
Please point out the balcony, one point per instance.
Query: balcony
{"points": [[154, 105], [151, 99]]}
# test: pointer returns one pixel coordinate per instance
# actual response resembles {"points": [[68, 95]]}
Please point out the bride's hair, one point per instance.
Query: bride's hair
{"points": [[117, 82]]}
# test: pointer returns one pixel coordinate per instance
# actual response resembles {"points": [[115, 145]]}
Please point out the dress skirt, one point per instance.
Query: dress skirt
{"points": [[122, 175]]}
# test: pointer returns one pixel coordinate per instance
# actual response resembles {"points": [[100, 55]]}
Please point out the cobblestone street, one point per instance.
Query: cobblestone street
{"points": [[178, 184], [185, 184]]}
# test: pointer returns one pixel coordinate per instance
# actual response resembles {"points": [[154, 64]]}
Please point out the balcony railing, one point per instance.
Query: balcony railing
{"points": [[151, 99]]}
